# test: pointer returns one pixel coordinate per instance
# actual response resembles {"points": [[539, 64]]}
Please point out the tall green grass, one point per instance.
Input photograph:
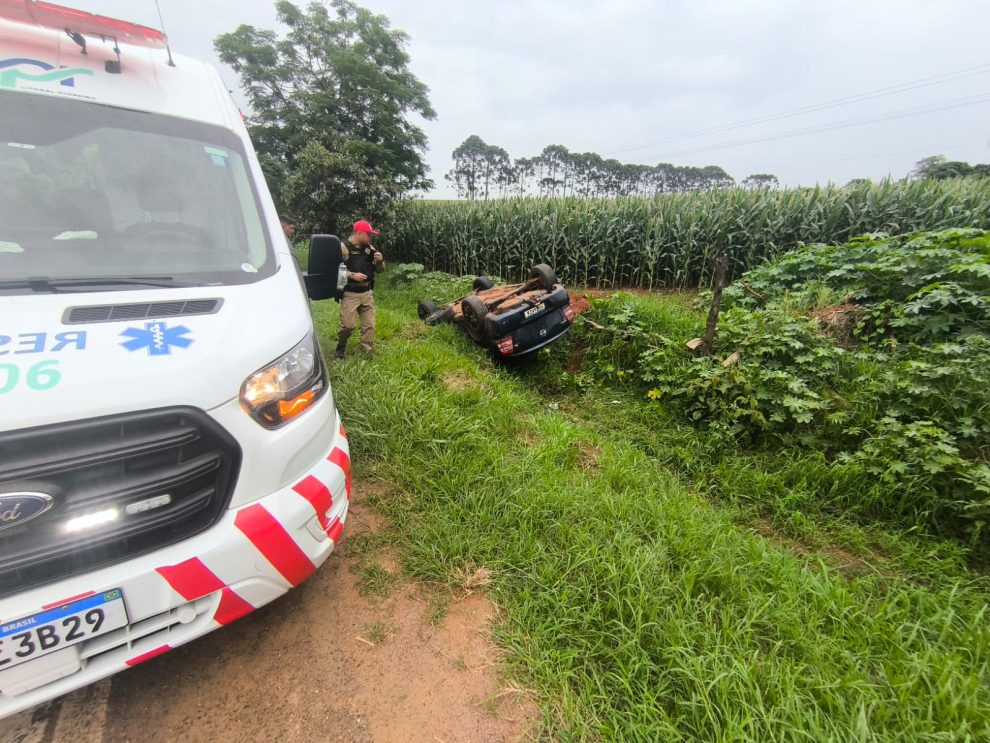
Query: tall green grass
{"points": [[636, 610], [667, 241]]}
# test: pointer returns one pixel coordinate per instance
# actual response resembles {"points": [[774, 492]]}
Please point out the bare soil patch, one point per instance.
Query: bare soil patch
{"points": [[456, 381], [329, 663], [588, 456]]}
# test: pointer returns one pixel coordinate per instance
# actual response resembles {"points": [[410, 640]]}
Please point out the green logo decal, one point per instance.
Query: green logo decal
{"points": [[65, 76]]}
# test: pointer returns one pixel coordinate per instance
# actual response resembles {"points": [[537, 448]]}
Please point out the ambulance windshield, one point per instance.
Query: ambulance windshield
{"points": [[91, 193]]}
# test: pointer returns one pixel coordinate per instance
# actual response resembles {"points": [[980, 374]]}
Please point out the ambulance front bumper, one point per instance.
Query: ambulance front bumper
{"points": [[253, 555]]}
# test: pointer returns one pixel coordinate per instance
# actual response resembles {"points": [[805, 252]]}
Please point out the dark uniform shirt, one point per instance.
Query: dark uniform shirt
{"points": [[360, 259]]}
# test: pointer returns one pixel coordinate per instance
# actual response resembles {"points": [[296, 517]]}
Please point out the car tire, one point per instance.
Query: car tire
{"points": [[475, 311], [426, 308], [545, 275], [482, 283]]}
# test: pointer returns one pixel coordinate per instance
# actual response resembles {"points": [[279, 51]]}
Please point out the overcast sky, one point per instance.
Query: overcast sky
{"points": [[620, 77]]}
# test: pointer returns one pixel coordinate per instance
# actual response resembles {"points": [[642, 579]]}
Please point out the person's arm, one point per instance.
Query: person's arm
{"points": [[379, 264]]}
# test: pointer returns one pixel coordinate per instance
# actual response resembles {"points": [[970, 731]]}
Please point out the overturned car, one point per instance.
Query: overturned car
{"points": [[512, 320]]}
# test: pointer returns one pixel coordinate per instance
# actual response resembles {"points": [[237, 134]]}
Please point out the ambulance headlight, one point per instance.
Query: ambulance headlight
{"points": [[288, 387]]}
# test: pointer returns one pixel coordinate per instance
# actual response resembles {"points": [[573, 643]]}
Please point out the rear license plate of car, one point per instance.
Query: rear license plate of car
{"points": [[535, 310], [31, 637]]}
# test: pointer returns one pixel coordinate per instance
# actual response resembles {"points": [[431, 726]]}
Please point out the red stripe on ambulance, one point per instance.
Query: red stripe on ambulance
{"points": [[340, 458], [335, 530], [231, 607], [319, 497], [148, 656], [191, 579], [274, 542]]}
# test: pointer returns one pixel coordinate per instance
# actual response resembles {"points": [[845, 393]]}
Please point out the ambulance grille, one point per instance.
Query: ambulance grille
{"points": [[121, 486], [140, 311]]}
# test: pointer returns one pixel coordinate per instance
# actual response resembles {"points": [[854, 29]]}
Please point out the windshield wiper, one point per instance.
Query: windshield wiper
{"points": [[43, 284]]}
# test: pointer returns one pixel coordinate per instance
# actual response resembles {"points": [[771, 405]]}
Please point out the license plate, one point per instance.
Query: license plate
{"points": [[31, 637], [535, 310]]}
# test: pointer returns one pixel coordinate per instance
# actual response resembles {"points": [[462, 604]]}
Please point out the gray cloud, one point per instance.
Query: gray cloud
{"points": [[607, 75]]}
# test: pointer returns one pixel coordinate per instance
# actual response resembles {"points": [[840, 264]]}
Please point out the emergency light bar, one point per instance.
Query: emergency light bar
{"points": [[50, 15]]}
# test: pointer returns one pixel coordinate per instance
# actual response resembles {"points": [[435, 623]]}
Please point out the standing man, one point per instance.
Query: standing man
{"points": [[288, 228], [363, 261]]}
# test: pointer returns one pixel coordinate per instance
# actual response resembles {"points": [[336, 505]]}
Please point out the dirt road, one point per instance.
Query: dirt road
{"points": [[326, 662]]}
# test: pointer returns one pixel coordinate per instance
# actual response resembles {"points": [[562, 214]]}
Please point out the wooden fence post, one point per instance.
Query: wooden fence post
{"points": [[717, 285]]}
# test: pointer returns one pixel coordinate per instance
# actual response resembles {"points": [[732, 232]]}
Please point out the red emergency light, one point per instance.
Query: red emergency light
{"points": [[50, 15]]}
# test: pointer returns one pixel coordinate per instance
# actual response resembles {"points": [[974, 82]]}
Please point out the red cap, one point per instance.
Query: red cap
{"points": [[363, 225]]}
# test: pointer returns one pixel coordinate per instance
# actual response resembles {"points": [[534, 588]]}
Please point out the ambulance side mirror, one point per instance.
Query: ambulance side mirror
{"points": [[324, 260]]}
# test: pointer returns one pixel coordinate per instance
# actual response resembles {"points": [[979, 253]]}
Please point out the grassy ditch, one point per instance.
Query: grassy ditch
{"points": [[638, 608], [847, 381]]}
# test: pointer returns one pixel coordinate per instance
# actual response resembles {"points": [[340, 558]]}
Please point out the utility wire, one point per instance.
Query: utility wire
{"points": [[845, 124], [868, 95]]}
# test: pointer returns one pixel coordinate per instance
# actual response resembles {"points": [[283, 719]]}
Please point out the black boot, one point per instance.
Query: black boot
{"points": [[339, 353]]}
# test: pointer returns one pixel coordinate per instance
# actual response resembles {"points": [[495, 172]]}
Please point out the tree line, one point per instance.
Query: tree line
{"points": [[483, 171], [940, 168]]}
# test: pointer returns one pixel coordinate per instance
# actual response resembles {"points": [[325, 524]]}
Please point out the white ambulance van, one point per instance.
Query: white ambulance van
{"points": [[171, 457]]}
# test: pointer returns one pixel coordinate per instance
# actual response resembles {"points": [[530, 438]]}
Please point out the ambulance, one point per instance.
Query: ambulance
{"points": [[171, 457]]}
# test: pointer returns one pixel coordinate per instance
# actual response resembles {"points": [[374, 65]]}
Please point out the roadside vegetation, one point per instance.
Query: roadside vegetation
{"points": [[667, 241], [666, 576], [851, 379]]}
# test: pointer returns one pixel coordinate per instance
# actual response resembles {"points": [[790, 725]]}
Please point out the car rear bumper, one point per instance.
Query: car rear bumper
{"points": [[536, 334], [254, 554]]}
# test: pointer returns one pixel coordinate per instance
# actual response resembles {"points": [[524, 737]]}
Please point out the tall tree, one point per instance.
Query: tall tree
{"points": [[478, 167], [525, 168], [329, 189], [469, 159], [923, 167], [555, 162], [508, 176], [950, 169], [760, 180], [712, 176], [339, 77]]}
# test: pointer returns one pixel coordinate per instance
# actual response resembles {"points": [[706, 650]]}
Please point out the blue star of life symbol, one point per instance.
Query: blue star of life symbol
{"points": [[157, 337]]}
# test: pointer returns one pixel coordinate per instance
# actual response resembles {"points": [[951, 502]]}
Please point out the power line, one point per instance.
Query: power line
{"points": [[859, 97], [845, 124]]}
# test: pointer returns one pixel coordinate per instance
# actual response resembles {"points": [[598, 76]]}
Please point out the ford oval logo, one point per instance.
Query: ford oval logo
{"points": [[18, 508]]}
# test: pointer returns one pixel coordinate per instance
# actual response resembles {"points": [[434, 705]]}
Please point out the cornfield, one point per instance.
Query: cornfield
{"points": [[668, 241]]}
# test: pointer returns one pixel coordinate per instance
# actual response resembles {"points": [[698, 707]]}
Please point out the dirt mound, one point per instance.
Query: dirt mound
{"points": [[839, 322], [580, 303]]}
